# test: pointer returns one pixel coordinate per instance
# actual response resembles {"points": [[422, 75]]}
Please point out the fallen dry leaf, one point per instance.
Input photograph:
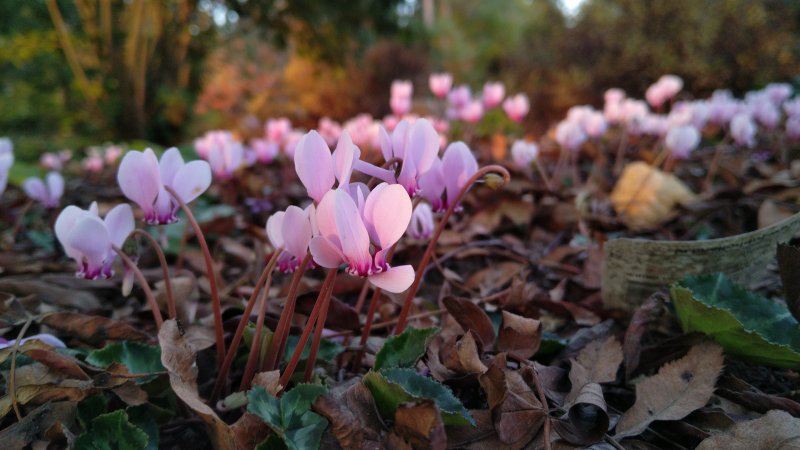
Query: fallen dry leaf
{"points": [[471, 317], [586, 420], [678, 388], [34, 425], [469, 355], [648, 313], [776, 430], [93, 329], [596, 363], [519, 336], [645, 197], [418, 425], [351, 411]]}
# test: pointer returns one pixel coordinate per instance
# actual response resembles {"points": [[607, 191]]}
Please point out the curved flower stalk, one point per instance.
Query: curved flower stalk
{"points": [[90, 240], [144, 179], [347, 231], [48, 192]]}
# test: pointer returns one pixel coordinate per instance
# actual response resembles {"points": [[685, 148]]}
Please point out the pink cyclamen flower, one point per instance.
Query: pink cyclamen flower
{"points": [[472, 112], [330, 130], [743, 130], [6, 161], [682, 140], [417, 145], [663, 90], [458, 165], [265, 150], [792, 128], [570, 136], [493, 94], [517, 107], [313, 163], [48, 192], [290, 143], [402, 89], [778, 92], [112, 153], [722, 107], [276, 130], [440, 84], [524, 153], [348, 231], [89, 240], [223, 152], [459, 97], [93, 161], [142, 179], [594, 124], [291, 231], [421, 224], [792, 107], [400, 106], [763, 110], [50, 161], [612, 109]]}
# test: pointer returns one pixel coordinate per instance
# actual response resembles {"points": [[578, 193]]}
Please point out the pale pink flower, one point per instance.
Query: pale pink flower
{"points": [[48, 192], [223, 152], [402, 89], [93, 161], [612, 109], [570, 136], [743, 130], [276, 130], [417, 145], [472, 112], [458, 165], [459, 97], [493, 94], [291, 232], [778, 92], [524, 153], [440, 84], [290, 144], [682, 140], [88, 239], [330, 130], [265, 150], [763, 109], [793, 127], [722, 107], [6, 161], [663, 90], [421, 224], [112, 154], [143, 178], [400, 105], [51, 161], [792, 107], [348, 231], [313, 163], [432, 186], [517, 107]]}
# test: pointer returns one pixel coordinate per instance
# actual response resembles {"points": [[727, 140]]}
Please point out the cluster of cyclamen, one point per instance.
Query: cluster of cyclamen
{"points": [[461, 105], [349, 223], [682, 126], [93, 242]]}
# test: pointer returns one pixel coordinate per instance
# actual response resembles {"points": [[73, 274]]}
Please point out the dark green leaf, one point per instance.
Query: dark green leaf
{"points": [[137, 357], [743, 323], [391, 387], [789, 269], [112, 431], [90, 408], [328, 350], [290, 417], [298, 401], [265, 406], [405, 349]]}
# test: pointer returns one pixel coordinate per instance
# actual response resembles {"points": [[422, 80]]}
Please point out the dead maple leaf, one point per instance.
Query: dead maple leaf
{"points": [[775, 430], [596, 363], [678, 388]]}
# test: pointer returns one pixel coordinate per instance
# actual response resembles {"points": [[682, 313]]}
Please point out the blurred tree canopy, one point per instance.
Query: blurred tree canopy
{"points": [[160, 70]]}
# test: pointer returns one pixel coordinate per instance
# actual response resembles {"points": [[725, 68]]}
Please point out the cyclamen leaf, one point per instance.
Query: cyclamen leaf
{"points": [[745, 324], [391, 387], [137, 357], [678, 388], [290, 417], [112, 430], [405, 349]]}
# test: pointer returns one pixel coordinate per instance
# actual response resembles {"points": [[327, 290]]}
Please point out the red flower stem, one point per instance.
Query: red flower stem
{"points": [[237, 337], [151, 299], [362, 296], [620, 158], [255, 348], [278, 342], [426, 257], [212, 278], [323, 315], [312, 318], [373, 306], [173, 314]]}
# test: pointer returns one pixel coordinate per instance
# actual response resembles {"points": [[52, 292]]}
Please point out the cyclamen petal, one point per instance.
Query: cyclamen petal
{"points": [[91, 239], [458, 165], [139, 179], [192, 180], [55, 188], [388, 210], [171, 162], [352, 234], [325, 253], [35, 189], [344, 158], [120, 223], [296, 231], [275, 229], [394, 280], [313, 163]]}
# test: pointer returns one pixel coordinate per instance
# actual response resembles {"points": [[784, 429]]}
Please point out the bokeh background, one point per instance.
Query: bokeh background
{"points": [[75, 73]]}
